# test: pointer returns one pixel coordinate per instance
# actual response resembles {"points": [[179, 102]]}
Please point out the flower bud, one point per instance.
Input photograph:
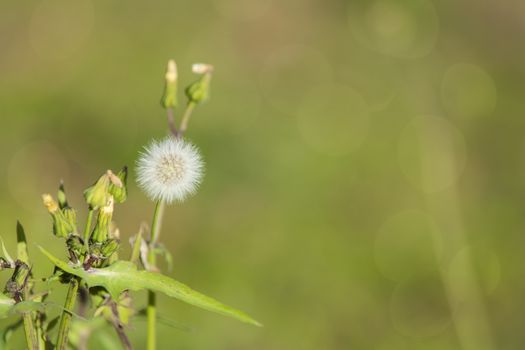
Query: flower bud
{"points": [[199, 90], [75, 247], [18, 279], [97, 195], [109, 247], [101, 230], [62, 199], [169, 97], [118, 185], [63, 225]]}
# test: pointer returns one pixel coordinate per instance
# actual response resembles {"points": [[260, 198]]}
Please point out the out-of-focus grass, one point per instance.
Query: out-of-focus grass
{"points": [[365, 160]]}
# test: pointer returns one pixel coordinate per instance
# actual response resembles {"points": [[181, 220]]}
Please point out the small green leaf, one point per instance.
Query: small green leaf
{"points": [[26, 306], [4, 250], [161, 250], [136, 243], [22, 243], [123, 275], [8, 306], [6, 333]]}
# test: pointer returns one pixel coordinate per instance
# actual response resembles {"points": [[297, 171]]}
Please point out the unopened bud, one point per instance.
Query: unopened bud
{"points": [[62, 199], [169, 97], [18, 279], [97, 195], [199, 90], [75, 246], [64, 222], [118, 185], [109, 247], [101, 230]]}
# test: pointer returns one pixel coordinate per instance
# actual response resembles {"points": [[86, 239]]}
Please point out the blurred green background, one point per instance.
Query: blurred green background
{"points": [[365, 160]]}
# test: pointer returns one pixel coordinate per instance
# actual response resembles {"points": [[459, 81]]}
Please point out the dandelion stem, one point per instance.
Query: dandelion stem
{"points": [[186, 118], [151, 309]]}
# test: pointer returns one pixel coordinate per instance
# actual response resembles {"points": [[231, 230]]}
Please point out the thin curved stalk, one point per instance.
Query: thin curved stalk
{"points": [[151, 310]]}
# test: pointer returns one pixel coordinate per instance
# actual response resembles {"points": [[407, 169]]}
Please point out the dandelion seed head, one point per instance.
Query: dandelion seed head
{"points": [[170, 170]]}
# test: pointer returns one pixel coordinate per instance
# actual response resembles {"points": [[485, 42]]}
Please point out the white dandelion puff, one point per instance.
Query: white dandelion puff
{"points": [[170, 170]]}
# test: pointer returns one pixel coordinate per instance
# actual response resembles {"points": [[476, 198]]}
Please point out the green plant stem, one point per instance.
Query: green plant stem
{"points": [[151, 309], [171, 121], [29, 328], [186, 118], [27, 317], [88, 228], [65, 320]]}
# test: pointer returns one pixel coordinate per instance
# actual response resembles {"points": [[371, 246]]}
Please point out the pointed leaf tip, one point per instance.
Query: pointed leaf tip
{"points": [[22, 252]]}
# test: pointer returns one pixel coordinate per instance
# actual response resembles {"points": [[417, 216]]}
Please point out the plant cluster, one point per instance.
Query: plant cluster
{"points": [[98, 279]]}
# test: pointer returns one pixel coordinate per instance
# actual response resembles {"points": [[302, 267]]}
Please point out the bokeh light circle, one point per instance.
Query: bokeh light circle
{"points": [[399, 28], [333, 119], [432, 153], [419, 306], [407, 243], [468, 90]]}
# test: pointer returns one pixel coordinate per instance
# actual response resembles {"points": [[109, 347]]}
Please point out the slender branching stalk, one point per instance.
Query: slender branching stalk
{"points": [[186, 118], [65, 320], [171, 121], [151, 309], [29, 325], [30, 332]]}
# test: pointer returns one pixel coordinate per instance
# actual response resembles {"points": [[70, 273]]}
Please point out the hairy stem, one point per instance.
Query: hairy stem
{"points": [[151, 309], [65, 320]]}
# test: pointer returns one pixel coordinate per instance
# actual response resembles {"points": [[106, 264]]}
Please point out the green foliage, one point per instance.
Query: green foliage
{"points": [[123, 275], [94, 274]]}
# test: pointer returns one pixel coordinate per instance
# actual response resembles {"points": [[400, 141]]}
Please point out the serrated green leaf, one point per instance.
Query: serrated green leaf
{"points": [[123, 275]]}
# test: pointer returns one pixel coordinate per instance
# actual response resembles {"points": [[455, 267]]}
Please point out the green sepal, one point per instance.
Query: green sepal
{"points": [[119, 189], [199, 90]]}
